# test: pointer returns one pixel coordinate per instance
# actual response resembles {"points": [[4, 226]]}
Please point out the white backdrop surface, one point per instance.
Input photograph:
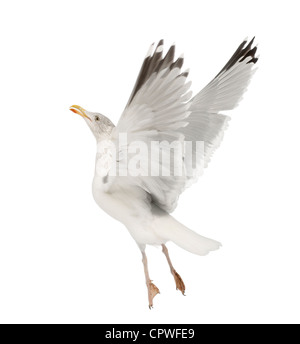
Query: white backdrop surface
{"points": [[63, 260]]}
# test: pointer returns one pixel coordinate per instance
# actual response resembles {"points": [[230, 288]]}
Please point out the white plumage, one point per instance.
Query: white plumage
{"points": [[160, 109]]}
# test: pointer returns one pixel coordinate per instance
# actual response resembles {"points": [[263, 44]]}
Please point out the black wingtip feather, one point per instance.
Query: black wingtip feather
{"points": [[241, 54], [250, 43], [254, 60], [185, 74], [169, 58], [155, 63], [177, 64], [161, 42]]}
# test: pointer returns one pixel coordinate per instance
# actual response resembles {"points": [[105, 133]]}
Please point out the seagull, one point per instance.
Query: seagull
{"points": [[140, 189]]}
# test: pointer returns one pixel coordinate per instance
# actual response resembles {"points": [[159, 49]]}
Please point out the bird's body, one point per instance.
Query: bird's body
{"points": [[134, 181], [149, 226], [124, 206]]}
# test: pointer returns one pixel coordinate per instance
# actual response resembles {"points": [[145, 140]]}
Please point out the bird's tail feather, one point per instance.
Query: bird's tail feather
{"points": [[171, 229]]}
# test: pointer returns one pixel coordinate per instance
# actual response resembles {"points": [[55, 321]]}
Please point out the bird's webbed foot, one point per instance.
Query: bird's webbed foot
{"points": [[179, 282], [152, 292]]}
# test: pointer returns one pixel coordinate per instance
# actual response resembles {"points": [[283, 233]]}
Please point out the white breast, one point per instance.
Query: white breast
{"points": [[129, 210]]}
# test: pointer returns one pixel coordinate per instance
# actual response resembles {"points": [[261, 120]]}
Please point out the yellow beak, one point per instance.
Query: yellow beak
{"points": [[79, 110]]}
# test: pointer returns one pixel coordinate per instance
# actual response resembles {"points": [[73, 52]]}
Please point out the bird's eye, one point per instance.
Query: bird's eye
{"points": [[96, 118]]}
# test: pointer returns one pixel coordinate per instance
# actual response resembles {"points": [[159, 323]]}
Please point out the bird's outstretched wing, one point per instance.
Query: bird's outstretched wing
{"points": [[157, 110], [160, 108], [223, 93]]}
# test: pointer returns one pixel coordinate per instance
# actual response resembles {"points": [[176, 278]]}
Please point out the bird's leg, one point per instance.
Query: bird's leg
{"points": [[178, 280], [152, 288]]}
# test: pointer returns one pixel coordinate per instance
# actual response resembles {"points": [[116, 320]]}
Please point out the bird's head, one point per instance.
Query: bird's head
{"points": [[100, 125]]}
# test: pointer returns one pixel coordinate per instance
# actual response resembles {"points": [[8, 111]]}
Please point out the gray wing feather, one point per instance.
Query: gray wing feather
{"points": [[224, 92]]}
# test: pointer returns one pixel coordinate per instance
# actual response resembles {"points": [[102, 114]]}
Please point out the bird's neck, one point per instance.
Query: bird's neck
{"points": [[103, 131], [103, 136]]}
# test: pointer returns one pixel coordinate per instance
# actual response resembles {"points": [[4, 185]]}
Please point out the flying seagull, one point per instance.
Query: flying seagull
{"points": [[161, 110]]}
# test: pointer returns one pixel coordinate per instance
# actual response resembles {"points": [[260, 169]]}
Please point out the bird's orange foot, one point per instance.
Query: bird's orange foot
{"points": [[179, 282], [152, 292]]}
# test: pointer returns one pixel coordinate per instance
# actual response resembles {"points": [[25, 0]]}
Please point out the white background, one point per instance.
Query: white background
{"points": [[62, 259]]}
